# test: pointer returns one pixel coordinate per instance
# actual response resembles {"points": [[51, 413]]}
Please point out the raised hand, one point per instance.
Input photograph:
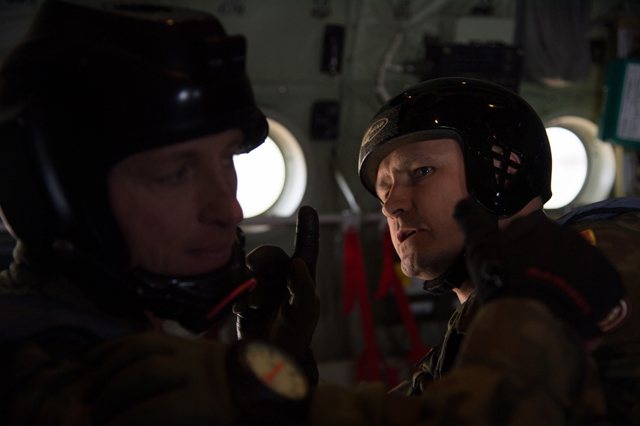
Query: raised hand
{"points": [[284, 308]]}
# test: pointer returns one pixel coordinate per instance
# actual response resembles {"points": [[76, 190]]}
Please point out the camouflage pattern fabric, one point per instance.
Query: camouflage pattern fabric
{"points": [[618, 357], [46, 326], [519, 365]]}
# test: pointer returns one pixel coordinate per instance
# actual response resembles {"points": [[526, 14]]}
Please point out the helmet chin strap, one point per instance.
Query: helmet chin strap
{"points": [[452, 278], [189, 300]]}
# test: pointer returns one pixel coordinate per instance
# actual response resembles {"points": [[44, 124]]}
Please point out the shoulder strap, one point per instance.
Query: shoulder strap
{"points": [[602, 210]]}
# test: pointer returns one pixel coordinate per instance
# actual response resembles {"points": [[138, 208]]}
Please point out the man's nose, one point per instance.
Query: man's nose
{"points": [[398, 202], [220, 204]]}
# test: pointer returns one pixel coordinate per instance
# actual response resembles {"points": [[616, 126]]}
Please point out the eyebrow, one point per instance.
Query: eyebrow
{"points": [[233, 144], [381, 184], [407, 164], [189, 153]]}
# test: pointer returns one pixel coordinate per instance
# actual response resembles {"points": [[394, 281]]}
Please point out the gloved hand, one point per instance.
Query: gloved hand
{"points": [[284, 308], [536, 258], [156, 379]]}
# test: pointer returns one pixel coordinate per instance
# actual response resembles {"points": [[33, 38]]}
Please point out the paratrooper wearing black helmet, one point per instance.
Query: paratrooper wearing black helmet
{"points": [[118, 127], [463, 168]]}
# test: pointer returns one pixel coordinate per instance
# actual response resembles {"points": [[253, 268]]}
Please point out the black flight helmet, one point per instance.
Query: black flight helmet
{"points": [[87, 87], [489, 122]]}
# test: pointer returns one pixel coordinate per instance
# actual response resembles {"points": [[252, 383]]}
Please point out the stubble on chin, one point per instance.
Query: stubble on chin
{"points": [[426, 266]]}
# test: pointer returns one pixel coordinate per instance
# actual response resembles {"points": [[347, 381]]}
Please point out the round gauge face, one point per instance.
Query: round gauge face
{"points": [[276, 370]]}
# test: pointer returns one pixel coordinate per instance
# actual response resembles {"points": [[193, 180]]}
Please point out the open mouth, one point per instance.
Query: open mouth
{"points": [[403, 235]]}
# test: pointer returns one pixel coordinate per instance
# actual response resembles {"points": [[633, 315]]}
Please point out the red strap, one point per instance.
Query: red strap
{"points": [[389, 279], [354, 277], [355, 286], [388, 275]]}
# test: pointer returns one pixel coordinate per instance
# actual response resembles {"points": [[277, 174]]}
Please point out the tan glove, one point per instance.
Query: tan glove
{"points": [[284, 308], [156, 379]]}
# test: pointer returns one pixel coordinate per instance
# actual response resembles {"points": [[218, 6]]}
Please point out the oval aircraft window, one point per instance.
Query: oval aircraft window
{"points": [[261, 175], [273, 177], [584, 167], [569, 166]]}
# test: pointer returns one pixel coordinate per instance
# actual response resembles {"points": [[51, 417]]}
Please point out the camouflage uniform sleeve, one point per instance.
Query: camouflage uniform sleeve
{"points": [[367, 405], [618, 356], [519, 365], [42, 383]]}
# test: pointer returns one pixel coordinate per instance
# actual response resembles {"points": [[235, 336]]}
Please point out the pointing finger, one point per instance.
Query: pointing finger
{"points": [[307, 240]]}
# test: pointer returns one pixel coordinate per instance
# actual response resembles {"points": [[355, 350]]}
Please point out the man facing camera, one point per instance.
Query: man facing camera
{"points": [[462, 168]]}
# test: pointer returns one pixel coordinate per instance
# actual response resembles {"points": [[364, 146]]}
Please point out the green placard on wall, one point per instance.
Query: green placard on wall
{"points": [[620, 121]]}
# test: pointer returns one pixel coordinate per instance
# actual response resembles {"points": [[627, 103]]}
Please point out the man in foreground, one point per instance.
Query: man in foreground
{"points": [[118, 127]]}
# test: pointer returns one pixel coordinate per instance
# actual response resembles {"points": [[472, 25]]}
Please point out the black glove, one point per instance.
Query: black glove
{"points": [[284, 308], [156, 379], [536, 258]]}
